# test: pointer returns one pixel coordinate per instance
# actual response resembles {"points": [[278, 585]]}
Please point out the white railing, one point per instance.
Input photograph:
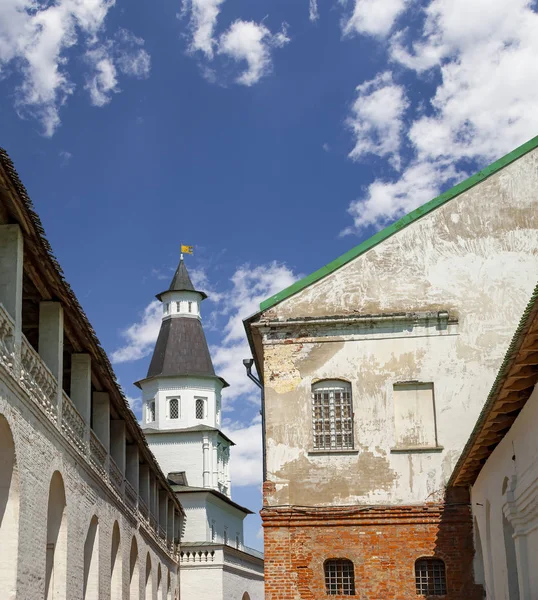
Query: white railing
{"points": [[7, 339], [72, 423], [131, 496], [98, 453], [116, 476], [38, 381], [28, 369], [143, 509], [200, 556]]}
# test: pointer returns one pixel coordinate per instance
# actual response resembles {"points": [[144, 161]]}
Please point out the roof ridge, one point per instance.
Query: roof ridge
{"points": [[406, 220]]}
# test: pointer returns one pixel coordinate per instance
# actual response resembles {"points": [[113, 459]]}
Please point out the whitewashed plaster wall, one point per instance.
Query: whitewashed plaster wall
{"points": [[475, 257], [507, 488], [187, 389], [179, 452], [227, 574], [194, 452], [40, 452], [202, 509]]}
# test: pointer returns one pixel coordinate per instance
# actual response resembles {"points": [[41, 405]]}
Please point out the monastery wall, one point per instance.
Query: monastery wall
{"points": [[41, 456]]}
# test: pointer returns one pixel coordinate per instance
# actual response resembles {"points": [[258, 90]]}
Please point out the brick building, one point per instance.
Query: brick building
{"points": [[375, 369], [85, 510]]}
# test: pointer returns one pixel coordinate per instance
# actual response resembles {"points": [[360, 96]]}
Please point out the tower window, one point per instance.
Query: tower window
{"points": [[430, 577], [150, 412], [339, 577], [166, 308], [190, 307], [225, 536], [212, 531], [332, 415], [178, 304], [174, 408], [200, 408]]}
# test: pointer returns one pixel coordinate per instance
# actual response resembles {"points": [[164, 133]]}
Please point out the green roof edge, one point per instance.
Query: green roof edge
{"points": [[406, 220]]}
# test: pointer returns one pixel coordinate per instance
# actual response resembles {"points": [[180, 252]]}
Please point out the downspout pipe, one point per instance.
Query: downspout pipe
{"points": [[248, 362]]}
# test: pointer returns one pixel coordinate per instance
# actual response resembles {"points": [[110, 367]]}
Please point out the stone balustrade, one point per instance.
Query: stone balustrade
{"points": [[27, 369]]}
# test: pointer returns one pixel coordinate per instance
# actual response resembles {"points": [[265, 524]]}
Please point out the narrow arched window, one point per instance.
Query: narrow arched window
{"points": [[200, 408], [150, 412], [174, 408], [190, 307], [332, 415], [339, 577], [430, 577]]}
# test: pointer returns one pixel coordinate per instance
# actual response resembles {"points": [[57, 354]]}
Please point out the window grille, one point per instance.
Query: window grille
{"points": [[339, 577], [200, 408], [213, 531], [178, 304], [332, 416], [151, 412], [430, 577], [237, 542], [174, 408], [225, 537], [190, 306], [166, 308]]}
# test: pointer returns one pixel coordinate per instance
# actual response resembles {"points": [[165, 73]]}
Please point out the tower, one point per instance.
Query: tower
{"points": [[181, 394]]}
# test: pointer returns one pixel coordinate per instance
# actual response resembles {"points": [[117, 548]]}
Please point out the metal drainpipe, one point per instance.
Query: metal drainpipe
{"points": [[248, 362]]}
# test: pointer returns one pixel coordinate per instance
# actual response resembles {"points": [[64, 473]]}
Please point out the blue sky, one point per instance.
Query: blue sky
{"points": [[271, 135]]}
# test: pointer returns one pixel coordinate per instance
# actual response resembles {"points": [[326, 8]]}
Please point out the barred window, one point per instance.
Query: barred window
{"points": [[190, 306], [200, 408], [178, 306], [150, 412], [430, 577], [332, 415], [339, 577], [174, 408]]}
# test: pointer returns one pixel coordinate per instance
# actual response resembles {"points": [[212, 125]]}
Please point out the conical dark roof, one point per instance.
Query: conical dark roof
{"points": [[181, 349], [181, 282]]}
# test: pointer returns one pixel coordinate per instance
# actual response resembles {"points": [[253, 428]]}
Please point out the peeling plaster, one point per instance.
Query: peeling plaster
{"points": [[476, 258]]}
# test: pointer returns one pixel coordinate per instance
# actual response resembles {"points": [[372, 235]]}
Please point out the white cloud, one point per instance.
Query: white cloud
{"points": [[35, 36], [104, 80], [377, 118], [374, 17], [203, 20], [481, 57], [313, 11], [246, 456], [140, 336], [252, 42]]}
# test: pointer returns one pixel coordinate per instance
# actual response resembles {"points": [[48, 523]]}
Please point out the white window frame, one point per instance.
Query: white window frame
{"points": [[151, 411], [204, 401], [168, 408], [332, 415]]}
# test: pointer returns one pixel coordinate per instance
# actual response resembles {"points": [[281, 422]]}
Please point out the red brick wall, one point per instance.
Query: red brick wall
{"points": [[382, 542]]}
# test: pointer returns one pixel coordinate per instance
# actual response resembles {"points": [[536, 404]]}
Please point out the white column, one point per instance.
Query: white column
{"points": [[51, 342], [163, 509], [101, 417], [215, 463], [11, 262], [81, 388], [171, 514], [143, 486], [131, 471], [205, 450], [118, 443], [81, 384]]}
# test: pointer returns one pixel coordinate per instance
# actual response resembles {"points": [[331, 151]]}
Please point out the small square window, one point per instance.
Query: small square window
{"points": [[430, 577], [339, 577]]}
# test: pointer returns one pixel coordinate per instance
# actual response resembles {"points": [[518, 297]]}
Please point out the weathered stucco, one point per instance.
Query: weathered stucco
{"points": [[475, 258]]}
